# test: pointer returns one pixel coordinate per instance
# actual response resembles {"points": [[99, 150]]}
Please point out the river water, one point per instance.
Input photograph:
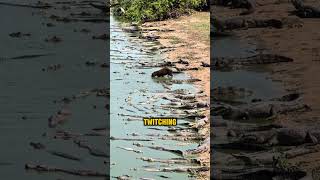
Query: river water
{"points": [[136, 95], [28, 93]]}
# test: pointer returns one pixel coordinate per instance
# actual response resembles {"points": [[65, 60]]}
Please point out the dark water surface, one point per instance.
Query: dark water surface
{"points": [[256, 79], [27, 91]]}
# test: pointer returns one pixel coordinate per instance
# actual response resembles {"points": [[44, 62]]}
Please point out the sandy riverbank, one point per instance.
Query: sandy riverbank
{"points": [[191, 42], [299, 41]]}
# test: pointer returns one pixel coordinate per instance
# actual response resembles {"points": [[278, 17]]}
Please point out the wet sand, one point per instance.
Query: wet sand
{"points": [[190, 41]]}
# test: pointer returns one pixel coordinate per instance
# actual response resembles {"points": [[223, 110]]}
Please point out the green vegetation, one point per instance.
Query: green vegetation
{"points": [[152, 10], [175, 40]]}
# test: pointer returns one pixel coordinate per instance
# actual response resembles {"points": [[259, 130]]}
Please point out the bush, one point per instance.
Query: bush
{"points": [[150, 10]]}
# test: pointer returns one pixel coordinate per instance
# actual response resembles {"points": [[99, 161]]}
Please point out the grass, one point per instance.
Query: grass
{"points": [[175, 40], [200, 23]]}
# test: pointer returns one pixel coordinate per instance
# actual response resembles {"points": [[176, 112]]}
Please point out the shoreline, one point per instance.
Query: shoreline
{"points": [[184, 39], [184, 138]]}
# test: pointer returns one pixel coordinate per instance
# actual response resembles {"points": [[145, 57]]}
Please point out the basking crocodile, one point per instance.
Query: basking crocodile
{"points": [[258, 110], [250, 5], [230, 173], [244, 23], [282, 136], [220, 63], [39, 5], [305, 11], [23, 57]]}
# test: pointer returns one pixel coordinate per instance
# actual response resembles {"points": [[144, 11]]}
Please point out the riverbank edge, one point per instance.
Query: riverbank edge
{"points": [[178, 40]]}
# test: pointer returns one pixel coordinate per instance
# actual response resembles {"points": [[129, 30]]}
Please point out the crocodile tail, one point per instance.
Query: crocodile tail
{"points": [[279, 58], [249, 11]]}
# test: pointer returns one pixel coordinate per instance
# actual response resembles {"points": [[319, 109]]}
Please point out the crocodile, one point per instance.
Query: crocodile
{"points": [[181, 81], [60, 117], [19, 34], [220, 63], [250, 5], [258, 110], [38, 5], [244, 23], [235, 3], [77, 172], [282, 136], [305, 11], [260, 171], [53, 39], [30, 56]]}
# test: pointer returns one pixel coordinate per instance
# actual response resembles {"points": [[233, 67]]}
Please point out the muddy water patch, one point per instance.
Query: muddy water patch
{"points": [[256, 79]]}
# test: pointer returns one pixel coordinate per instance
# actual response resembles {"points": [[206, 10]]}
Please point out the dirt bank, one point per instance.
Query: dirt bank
{"points": [[190, 41]]}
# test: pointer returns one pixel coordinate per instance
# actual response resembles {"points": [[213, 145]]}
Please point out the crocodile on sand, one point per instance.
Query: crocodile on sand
{"points": [[305, 11], [244, 23], [250, 5], [258, 110], [259, 59]]}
